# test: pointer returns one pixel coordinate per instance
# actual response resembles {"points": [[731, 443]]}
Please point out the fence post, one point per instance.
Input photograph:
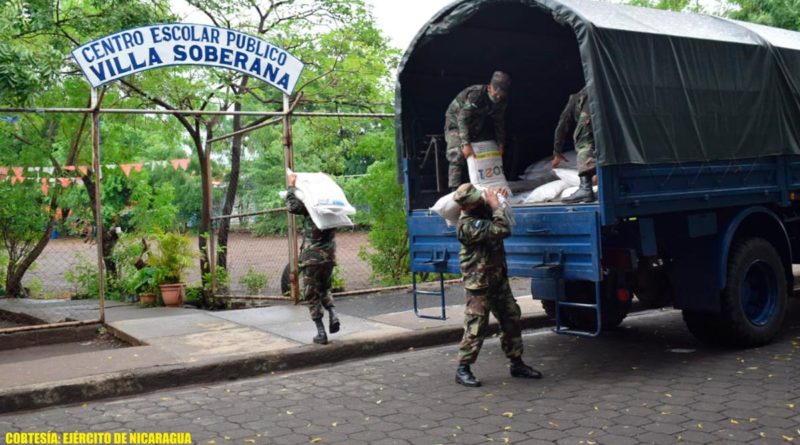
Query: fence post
{"points": [[210, 242], [101, 276], [288, 159]]}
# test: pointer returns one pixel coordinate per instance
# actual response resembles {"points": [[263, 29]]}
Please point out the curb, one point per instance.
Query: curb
{"points": [[155, 378]]}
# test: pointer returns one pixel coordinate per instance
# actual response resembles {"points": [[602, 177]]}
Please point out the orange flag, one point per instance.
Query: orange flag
{"points": [[138, 167], [16, 179], [64, 182], [83, 169], [182, 163], [18, 172], [126, 168], [45, 186]]}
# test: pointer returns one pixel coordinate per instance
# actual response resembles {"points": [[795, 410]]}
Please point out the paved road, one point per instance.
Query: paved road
{"points": [[649, 382]]}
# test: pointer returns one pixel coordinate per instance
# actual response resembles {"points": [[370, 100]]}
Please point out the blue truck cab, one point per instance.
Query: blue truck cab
{"points": [[697, 136]]}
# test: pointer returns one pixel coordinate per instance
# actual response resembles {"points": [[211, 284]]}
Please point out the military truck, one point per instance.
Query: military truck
{"points": [[697, 131]]}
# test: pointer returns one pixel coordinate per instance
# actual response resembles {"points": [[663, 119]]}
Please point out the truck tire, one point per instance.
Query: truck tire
{"points": [[753, 302], [286, 285], [613, 309]]}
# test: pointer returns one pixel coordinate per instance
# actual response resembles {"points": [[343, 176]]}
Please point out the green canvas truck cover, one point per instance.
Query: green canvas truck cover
{"points": [[664, 87]]}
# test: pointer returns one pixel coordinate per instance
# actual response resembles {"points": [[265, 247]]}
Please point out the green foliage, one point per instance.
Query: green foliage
{"points": [[223, 279], [337, 280], [388, 237], [779, 13], [84, 277], [172, 257], [253, 281], [3, 267]]}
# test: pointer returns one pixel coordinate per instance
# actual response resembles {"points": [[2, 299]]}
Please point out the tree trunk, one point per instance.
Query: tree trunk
{"points": [[16, 272], [110, 236], [233, 186]]}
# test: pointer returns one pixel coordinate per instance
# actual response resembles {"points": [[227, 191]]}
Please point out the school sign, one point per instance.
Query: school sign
{"points": [[127, 52]]}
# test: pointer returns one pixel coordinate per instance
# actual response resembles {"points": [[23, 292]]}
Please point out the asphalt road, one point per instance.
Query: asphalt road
{"points": [[648, 382]]}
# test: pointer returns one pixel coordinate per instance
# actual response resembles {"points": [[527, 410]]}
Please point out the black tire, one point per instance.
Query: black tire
{"points": [[613, 311], [753, 302], [286, 285]]}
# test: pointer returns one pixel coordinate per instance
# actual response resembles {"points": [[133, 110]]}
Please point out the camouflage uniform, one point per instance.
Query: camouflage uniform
{"points": [[483, 266], [465, 123], [576, 116], [317, 258]]}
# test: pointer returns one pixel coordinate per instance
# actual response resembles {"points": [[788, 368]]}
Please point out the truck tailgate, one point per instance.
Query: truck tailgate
{"points": [[570, 234]]}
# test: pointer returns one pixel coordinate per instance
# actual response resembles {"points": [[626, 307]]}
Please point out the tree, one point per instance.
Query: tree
{"points": [[779, 13]]}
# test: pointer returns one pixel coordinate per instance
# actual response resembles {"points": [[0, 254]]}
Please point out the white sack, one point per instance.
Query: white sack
{"points": [[570, 176], [324, 199], [547, 192], [535, 170], [486, 166], [447, 208]]}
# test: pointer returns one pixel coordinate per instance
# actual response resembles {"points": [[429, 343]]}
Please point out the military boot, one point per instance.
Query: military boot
{"points": [[321, 338], [583, 194], [521, 370], [333, 321], [465, 377]]}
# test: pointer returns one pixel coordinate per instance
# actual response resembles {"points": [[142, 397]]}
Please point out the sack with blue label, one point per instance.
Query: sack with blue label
{"points": [[325, 200], [486, 167]]}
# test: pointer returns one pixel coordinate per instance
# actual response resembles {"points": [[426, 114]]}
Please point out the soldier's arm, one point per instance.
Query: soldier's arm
{"points": [[565, 122], [475, 230], [499, 118], [293, 203], [465, 116]]}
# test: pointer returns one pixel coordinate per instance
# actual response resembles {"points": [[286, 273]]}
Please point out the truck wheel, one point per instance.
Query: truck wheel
{"points": [[614, 307], [753, 303], [286, 285]]}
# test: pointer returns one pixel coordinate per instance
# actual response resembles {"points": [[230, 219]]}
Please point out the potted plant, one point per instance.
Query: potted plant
{"points": [[146, 285], [171, 260]]}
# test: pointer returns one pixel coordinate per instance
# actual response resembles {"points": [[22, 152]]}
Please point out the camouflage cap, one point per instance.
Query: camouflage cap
{"points": [[467, 194], [501, 81]]}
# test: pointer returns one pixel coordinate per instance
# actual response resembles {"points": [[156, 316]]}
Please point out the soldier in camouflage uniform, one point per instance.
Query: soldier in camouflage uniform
{"points": [[317, 258], [576, 118], [466, 118], [481, 229]]}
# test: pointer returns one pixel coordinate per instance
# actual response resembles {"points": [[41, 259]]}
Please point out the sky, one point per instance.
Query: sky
{"points": [[398, 19]]}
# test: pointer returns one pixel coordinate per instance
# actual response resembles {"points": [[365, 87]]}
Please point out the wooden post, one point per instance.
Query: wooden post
{"points": [[288, 159], [101, 275]]}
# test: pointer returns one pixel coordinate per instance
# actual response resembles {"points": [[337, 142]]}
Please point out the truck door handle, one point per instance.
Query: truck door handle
{"points": [[536, 231]]}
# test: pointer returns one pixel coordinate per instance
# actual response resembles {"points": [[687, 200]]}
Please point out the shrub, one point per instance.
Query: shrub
{"points": [[253, 281]]}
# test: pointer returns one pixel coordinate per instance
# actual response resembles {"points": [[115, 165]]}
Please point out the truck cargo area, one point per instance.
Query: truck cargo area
{"points": [[544, 63]]}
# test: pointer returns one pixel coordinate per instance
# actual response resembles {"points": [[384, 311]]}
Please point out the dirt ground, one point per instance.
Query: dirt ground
{"points": [[268, 255]]}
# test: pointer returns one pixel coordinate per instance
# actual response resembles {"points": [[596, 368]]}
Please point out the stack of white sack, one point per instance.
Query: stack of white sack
{"points": [[324, 199], [486, 167], [450, 211], [543, 168]]}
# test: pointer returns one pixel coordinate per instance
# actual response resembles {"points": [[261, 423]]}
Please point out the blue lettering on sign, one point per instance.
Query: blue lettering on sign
{"points": [[131, 51]]}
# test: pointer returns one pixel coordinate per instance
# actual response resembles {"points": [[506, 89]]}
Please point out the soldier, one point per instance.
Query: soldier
{"points": [[481, 230], [465, 120], [576, 116], [317, 258]]}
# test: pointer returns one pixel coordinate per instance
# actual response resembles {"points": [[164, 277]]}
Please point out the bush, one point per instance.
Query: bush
{"points": [[83, 276], [389, 235], [253, 281]]}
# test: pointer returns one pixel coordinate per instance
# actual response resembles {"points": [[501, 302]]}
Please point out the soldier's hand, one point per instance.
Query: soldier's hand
{"points": [[557, 158], [490, 196], [467, 150], [291, 180]]}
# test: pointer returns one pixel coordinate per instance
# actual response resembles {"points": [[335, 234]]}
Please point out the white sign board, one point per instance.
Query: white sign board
{"points": [[134, 50]]}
